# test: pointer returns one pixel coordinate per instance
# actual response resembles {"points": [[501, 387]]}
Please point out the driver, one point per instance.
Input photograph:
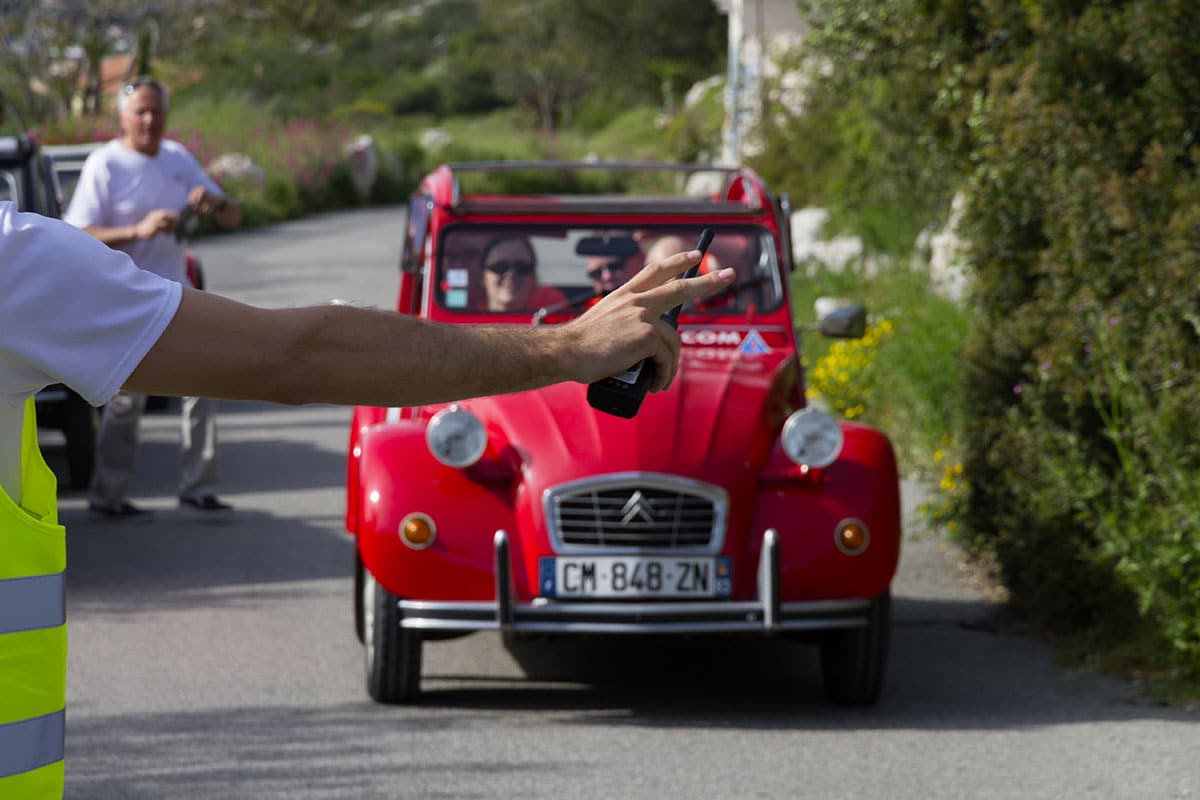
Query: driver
{"points": [[128, 196], [607, 272]]}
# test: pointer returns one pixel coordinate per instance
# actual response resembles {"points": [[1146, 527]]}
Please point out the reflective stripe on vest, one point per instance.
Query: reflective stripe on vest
{"points": [[31, 743], [33, 631], [27, 604]]}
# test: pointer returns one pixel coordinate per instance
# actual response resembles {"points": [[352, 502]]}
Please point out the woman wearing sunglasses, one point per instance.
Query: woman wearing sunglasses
{"points": [[510, 277]]}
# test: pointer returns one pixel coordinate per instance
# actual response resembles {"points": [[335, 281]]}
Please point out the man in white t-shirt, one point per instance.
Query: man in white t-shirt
{"points": [[75, 312], [131, 195]]}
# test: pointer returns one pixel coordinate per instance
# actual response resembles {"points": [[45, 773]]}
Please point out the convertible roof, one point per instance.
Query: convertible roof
{"points": [[741, 191]]}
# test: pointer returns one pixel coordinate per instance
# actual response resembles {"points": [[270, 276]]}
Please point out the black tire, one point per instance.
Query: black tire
{"points": [[393, 654], [854, 660], [358, 601], [79, 429]]}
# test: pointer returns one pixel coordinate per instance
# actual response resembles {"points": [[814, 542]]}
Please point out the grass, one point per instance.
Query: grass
{"points": [[914, 374]]}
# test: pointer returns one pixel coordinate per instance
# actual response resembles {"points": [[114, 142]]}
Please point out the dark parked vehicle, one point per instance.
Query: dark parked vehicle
{"points": [[27, 178]]}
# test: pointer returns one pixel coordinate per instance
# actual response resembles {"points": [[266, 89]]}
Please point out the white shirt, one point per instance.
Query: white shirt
{"points": [[119, 186], [71, 311]]}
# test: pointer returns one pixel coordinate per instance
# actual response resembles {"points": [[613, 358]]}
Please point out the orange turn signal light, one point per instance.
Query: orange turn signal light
{"points": [[852, 536], [417, 531]]}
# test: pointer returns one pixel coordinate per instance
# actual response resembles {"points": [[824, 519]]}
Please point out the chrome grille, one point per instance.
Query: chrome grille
{"points": [[646, 512]]}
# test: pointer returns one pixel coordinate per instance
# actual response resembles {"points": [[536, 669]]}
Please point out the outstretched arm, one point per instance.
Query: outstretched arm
{"points": [[217, 347]]}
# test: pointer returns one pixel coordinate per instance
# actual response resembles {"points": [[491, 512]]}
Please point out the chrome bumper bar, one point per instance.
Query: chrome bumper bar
{"points": [[764, 615]]}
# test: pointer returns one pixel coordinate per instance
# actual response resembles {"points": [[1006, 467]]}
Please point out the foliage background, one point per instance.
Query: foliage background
{"points": [[291, 83]]}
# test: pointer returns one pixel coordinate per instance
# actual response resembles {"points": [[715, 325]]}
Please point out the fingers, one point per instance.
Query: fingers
{"points": [[197, 197], [676, 293], [666, 357], [627, 325], [658, 292], [658, 273], [202, 201]]}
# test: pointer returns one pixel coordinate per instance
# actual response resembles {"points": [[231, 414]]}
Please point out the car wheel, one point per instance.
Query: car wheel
{"points": [[393, 654], [358, 598], [79, 429], [853, 661]]}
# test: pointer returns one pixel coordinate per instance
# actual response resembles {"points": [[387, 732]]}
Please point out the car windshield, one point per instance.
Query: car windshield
{"points": [[8, 186], [68, 177], [564, 269]]}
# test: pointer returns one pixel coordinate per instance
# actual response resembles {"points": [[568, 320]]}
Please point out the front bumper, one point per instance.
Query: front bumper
{"points": [[764, 615]]}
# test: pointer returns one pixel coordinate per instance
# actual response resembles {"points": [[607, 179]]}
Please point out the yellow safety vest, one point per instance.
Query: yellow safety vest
{"points": [[33, 631]]}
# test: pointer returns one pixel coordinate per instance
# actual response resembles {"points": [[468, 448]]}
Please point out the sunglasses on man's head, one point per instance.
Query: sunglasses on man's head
{"points": [[611, 267], [502, 267], [138, 83]]}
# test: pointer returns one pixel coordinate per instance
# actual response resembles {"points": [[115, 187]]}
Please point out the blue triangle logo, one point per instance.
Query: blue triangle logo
{"points": [[753, 344]]}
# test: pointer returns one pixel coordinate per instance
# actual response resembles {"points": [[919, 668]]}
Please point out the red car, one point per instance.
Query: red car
{"points": [[727, 505]]}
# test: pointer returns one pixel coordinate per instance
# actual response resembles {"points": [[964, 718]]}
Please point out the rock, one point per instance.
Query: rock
{"points": [[364, 164], [238, 167], [947, 264], [807, 225]]}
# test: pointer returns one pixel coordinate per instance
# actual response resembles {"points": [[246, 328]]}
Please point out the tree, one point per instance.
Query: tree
{"points": [[62, 46], [555, 55]]}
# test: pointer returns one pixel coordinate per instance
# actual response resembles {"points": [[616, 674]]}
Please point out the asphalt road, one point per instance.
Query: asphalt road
{"points": [[219, 661]]}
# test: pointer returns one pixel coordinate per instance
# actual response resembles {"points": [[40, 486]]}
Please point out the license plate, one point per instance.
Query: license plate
{"points": [[635, 576]]}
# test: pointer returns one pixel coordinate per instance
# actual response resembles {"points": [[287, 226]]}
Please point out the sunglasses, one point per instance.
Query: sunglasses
{"points": [[502, 267], [138, 83], [611, 267]]}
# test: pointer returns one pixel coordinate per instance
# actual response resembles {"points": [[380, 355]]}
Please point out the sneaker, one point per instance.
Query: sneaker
{"points": [[206, 506], [123, 511]]}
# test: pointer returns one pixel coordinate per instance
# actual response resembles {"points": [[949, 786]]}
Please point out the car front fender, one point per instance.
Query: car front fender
{"points": [[806, 508], [398, 477]]}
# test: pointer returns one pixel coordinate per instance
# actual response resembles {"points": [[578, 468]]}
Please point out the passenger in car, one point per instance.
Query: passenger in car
{"points": [[664, 244], [710, 263], [607, 272], [510, 277]]}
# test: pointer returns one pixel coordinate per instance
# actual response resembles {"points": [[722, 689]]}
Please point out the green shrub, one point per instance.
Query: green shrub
{"points": [[1072, 128], [407, 93], [1135, 486], [1084, 214]]}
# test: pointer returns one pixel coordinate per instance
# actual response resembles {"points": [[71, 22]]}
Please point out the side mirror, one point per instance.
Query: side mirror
{"points": [[840, 322], [847, 322]]}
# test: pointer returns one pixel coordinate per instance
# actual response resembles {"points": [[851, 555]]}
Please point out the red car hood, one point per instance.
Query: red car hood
{"points": [[720, 416]]}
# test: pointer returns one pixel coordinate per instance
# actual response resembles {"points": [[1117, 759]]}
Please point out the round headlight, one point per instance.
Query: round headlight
{"points": [[456, 437], [812, 438]]}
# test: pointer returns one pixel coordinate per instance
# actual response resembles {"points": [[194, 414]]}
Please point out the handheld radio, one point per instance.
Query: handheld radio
{"points": [[621, 395]]}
